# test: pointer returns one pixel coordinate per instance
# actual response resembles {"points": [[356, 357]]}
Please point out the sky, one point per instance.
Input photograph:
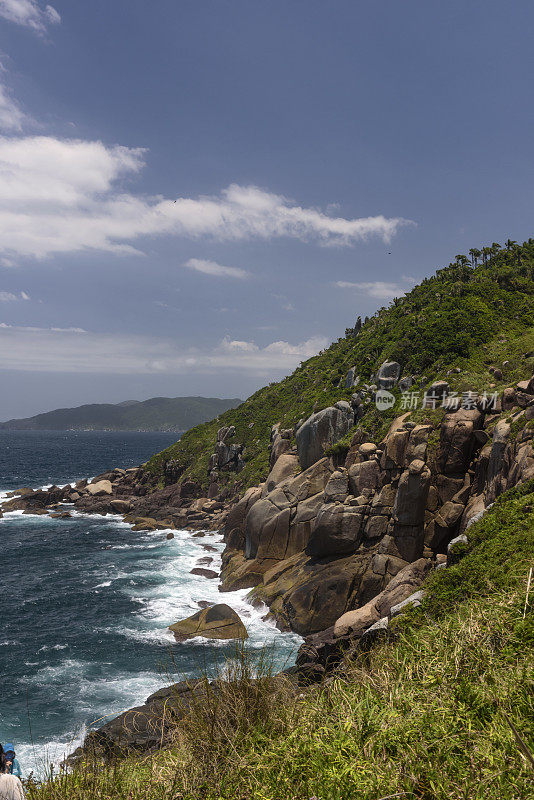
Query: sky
{"points": [[196, 196]]}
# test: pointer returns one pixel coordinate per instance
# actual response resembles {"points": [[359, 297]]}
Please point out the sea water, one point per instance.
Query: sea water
{"points": [[85, 602]]}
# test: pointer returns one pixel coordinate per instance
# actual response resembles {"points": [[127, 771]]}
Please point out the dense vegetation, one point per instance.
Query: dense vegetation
{"points": [[468, 315], [444, 711], [156, 414]]}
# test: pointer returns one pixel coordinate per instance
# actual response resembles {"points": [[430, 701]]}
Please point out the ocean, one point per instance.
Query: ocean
{"points": [[85, 602]]}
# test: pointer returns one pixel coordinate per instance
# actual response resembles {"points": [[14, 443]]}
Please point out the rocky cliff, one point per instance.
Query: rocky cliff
{"points": [[332, 549]]}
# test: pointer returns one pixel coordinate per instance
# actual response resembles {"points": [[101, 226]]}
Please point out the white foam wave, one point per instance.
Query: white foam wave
{"points": [[56, 673], [164, 591], [176, 595], [41, 757]]}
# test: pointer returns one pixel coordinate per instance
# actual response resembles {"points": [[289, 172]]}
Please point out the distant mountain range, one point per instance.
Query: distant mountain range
{"points": [[156, 414]]}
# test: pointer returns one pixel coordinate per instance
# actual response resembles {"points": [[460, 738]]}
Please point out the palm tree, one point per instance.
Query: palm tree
{"points": [[495, 248], [475, 255], [510, 243], [487, 252]]}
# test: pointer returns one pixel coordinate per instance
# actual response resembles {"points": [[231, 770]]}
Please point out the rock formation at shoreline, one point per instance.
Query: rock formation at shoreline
{"points": [[215, 622]]}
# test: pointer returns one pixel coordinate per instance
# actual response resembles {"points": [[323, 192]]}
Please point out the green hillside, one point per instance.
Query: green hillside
{"points": [[468, 316], [156, 414]]}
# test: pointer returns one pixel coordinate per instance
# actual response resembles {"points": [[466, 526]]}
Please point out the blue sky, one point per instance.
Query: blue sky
{"points": [[323, 156]]}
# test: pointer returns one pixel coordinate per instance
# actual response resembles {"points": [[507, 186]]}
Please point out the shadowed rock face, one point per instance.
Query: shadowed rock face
{"points": [[388, 374], [322, 430], [457, 441], [400, 587], [152, 726], [409, 510], [324, 650], [336, 530], [216, 622], [307, 595], [278, 525]]}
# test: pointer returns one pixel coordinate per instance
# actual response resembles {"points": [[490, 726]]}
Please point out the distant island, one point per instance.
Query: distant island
{"points": [[157, 414]]}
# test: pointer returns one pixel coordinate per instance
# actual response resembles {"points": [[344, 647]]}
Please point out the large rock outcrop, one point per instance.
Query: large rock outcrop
{"points": [[278, 525], [388, 374], [321, 430], [323, 651], [228, 455], [409, 510], [280, 443], [215, 622], [328, 540], [307, 595], [457, 441], [405, 582]]}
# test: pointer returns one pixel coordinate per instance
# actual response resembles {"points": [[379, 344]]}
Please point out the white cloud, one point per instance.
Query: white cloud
{"points": [[53, 16], [10, 297], [29, 14], [212, 268], [65, 195], [285, 304], [74, 350], [383, 290], [11, 115]]}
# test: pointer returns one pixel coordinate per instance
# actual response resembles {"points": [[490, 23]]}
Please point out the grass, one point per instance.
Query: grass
{"points": [[444, 710]]}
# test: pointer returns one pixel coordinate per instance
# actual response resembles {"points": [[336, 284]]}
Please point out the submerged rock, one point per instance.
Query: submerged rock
{"points": [[204, 573]]}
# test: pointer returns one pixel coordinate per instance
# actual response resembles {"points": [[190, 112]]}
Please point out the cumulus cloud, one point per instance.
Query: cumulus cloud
{"points": [[29, 14], [10, 297], [212, 268], [74, 350], [67, 195], [383, 290]]}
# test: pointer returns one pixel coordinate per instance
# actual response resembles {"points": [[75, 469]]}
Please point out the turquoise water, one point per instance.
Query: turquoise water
{"points": [[86, 601]]}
